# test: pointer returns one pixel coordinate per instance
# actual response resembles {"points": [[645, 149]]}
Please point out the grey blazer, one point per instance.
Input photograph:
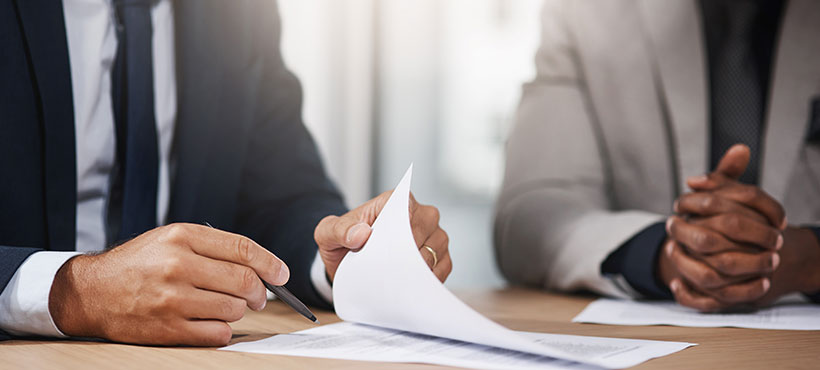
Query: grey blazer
{"points": [[615, 121]]}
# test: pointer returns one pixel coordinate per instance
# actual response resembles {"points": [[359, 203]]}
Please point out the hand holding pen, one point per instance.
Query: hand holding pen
{"points": [[286, 296]]}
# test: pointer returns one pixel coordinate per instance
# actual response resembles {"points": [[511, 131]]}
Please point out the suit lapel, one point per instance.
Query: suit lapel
{"points": [[795, 81], [675, 36], [45, 38]]}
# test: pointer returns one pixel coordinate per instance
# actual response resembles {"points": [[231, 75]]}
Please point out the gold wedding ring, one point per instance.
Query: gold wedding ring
{"points": [[435, 257]]}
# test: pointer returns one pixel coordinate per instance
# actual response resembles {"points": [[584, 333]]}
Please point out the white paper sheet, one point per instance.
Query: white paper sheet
{"points": [[352, 341], [783, 316], [387, 284]]}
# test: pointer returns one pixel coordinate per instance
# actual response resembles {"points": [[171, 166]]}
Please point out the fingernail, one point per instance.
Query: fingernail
{"points": [[775, 261], [698, 178], [668, 249], [264, 303], [784, 224], [674, 285], [358, 231], [675, 206], [779, 243], [283, 275], [669, 225], [766, 285]]}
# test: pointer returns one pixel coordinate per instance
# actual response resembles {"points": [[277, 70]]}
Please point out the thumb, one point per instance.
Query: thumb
{"points": [[342, 231], [730, 167], [734, 162]]}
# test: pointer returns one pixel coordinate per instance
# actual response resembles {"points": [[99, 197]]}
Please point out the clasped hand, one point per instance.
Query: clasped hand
{"points": [[729, 245]]}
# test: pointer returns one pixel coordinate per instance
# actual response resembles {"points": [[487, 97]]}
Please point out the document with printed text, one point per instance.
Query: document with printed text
{"points": [[352, 341], [387, 285], [788, 315]]}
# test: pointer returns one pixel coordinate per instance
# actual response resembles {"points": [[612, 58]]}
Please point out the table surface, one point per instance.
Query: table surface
{"points": [[516, 308]]}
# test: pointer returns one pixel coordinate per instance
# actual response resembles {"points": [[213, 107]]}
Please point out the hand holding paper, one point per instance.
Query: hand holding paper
{"points": [[338, 235]]}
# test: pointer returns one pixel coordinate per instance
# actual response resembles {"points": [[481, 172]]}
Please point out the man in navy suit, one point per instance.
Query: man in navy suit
{"points": [[119, 117]]}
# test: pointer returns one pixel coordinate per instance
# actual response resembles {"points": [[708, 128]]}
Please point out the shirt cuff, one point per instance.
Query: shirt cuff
{"points": [[318, 277], [24, 301], [636, 262]]}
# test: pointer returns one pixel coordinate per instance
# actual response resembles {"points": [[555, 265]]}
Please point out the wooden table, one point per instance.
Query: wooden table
{"points": [[520, 309]]}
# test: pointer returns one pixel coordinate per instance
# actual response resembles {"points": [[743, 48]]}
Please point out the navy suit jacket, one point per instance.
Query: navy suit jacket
{"points": [[241, 160]]}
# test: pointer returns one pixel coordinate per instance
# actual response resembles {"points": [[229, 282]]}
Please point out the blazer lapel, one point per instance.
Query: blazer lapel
{"points": [[675, 36], [45, 36], [795, 81]]}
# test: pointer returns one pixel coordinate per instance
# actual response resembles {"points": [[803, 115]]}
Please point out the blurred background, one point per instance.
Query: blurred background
{"points": [[430, 82]]}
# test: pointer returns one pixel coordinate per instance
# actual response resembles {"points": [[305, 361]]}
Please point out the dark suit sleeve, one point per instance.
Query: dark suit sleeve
{"points": [[815, 297], [10, 259], [636, 260], [285, 191]]}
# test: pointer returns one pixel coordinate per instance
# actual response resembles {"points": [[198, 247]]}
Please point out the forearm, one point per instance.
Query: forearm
{"points": [[557, 238]]}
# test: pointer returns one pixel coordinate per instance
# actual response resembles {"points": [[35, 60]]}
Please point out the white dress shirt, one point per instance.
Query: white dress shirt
{"points": [[92, 45]]}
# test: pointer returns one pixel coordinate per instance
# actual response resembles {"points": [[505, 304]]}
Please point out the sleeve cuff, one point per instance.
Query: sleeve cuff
{"points": [[635, 261], [318, 277], [815, 297], [24, 301]]}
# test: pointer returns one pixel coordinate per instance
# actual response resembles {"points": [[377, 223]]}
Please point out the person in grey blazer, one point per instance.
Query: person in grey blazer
{"points": [[607, 185]]}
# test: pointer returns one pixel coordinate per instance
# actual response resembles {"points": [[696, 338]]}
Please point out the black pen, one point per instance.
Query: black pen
{"points": [[286, 296]]}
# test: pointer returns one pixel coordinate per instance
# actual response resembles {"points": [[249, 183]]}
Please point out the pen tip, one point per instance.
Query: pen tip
{"points": [[316, 320]]}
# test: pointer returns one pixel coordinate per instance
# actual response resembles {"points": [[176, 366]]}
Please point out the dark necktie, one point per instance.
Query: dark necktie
{"points": [[133, 198], [738, 96]]}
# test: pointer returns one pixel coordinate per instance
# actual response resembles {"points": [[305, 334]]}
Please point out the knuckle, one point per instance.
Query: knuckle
{"points": [[703, 241], [167, 300], [339, 231], [434, 213], [708, 278], [323, 224], [172, 267], [176, 231], [244, 249], [731, 222], [708, 202], [446, 238], [248, 280], [726, 263], [230, 309]]}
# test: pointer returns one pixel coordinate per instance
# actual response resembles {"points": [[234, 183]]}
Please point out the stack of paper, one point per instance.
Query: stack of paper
{"points": [[404, 314]]}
